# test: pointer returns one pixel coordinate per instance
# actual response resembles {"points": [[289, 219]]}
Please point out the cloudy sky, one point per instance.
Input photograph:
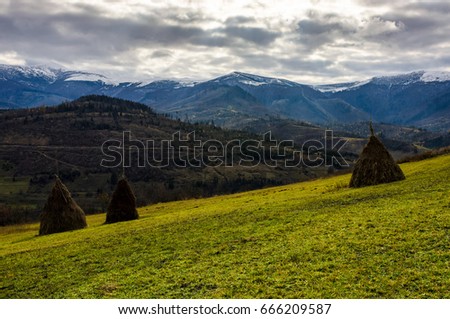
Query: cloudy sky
{"points": [[309, 41]]}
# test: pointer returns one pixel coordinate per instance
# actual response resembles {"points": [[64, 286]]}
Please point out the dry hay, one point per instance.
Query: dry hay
{"points": [[61, 213], [122, 206], [375, 166]]}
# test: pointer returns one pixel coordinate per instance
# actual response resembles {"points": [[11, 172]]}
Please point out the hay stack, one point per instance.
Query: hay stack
{"points": [[122, 206], [375, 165], [61, 213]]}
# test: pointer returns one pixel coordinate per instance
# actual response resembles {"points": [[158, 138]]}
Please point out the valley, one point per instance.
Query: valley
{"points": [[37, 143]]}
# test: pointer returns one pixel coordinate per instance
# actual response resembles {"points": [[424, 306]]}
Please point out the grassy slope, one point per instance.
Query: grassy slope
{"points": [[314, 239]]}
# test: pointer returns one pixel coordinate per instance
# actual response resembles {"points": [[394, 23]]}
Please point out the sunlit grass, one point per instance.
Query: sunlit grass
{"points": [[316, 239]]}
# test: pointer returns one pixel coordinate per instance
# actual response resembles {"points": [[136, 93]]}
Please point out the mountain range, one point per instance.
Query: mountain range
{"points": [[234, 100]]}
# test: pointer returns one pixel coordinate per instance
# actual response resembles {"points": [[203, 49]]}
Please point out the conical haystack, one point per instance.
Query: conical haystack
{"points": [[61, 213], [375, 166], [122, 206]]}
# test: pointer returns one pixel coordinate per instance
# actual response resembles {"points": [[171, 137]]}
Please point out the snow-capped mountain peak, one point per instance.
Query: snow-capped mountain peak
{"points": [[410, 95], [42, 72], [241, 78], [89, 77], [334, 88], [413, 77], [49, 75], [399, 79], [439, 76]]}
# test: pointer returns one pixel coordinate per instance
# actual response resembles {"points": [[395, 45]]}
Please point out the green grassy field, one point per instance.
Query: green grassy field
{"points": [[316, 239]]}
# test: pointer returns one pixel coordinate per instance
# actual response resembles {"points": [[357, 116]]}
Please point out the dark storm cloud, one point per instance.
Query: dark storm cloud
{"points": [[421, 23], [183, 16], [161, 54], [141, 29], [319, 30], [239, 20], [255, 35], [321, 25], [423, 26], [213, 40], [231, 36], [89, 32], [72, 34], [303, 64], [429, 7], [400, 38]]}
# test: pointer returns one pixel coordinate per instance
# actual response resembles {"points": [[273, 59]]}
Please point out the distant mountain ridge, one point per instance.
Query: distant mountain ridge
{"points": [[400, 79], [234, 100]]}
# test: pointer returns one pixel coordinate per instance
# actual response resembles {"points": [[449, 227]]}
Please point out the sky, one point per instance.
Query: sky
{"points": [[308, 41]]}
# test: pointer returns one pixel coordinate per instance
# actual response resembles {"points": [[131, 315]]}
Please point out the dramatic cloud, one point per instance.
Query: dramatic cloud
{"points": [[258, 36], [310, 42]]}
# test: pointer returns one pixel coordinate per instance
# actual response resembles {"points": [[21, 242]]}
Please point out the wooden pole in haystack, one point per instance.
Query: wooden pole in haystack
{"points": [[61, 213], [122, 206], [375, 165]]}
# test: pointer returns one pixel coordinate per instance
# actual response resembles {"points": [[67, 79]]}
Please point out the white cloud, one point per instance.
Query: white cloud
{"points": [[11, 57]]}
